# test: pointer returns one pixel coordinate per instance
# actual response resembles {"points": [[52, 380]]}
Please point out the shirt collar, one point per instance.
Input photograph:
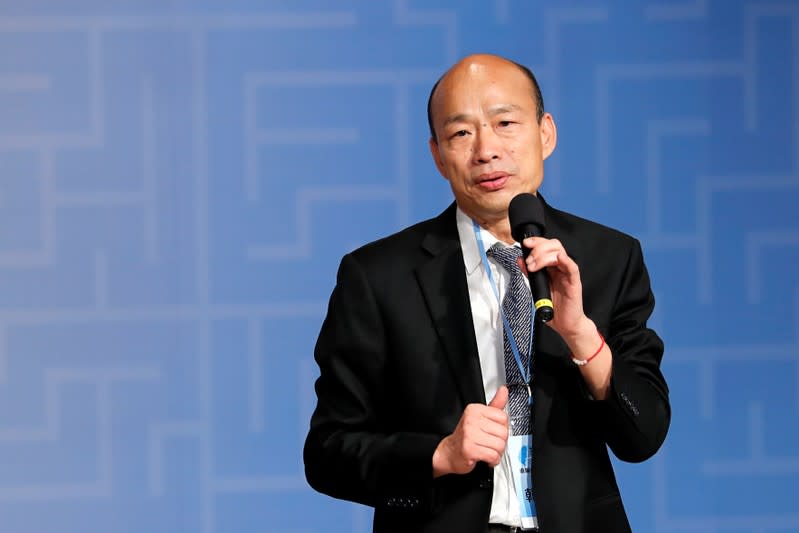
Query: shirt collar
{"points": [[471, 253]]}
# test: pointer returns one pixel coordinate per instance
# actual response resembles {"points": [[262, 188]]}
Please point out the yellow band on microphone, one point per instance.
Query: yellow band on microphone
{"points": [[542, 302]]}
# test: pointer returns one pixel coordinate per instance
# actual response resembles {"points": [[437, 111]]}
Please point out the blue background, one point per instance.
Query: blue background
{"points": [[178, 181]]}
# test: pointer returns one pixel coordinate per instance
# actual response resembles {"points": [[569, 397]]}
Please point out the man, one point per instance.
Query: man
{"points": [[411, 415]]}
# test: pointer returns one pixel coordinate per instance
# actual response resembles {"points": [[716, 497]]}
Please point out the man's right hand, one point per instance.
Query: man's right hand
{"points": [[481, 435]]}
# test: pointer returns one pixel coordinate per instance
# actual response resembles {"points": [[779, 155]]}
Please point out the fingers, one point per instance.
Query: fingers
{"points": [[491, 456], [548, 253], [481, 434], [483, 441], [486, 425], [566, 264]]}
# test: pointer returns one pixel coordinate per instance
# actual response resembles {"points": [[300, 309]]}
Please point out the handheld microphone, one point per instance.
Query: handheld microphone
{"points": [[527, 220]]}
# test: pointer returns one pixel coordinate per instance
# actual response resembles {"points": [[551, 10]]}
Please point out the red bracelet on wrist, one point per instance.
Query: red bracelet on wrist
{"points": [[583, 362]]}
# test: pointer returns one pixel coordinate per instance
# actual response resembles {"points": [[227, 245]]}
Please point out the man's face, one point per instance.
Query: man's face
{"points": [[490, 147]]}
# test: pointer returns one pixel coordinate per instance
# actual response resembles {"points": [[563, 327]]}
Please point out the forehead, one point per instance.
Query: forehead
{"points": [[475, 87]]}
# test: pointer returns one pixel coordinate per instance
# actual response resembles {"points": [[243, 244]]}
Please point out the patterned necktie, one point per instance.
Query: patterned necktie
{"points": [[516, 306]]}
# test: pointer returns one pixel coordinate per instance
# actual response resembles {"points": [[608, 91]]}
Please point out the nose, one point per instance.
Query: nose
{"points": [[486, 146]]}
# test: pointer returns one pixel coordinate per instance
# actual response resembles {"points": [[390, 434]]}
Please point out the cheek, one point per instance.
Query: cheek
{"points": [[521, 152]]}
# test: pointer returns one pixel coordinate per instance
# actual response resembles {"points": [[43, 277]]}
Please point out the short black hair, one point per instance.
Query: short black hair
{"points": [[537, 96]]}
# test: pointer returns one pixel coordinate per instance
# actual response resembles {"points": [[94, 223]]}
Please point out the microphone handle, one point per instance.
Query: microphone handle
{"points": [[539, 282]]}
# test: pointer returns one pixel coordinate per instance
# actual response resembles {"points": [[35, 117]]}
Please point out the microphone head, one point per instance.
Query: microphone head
{"points": [[525, 210]]}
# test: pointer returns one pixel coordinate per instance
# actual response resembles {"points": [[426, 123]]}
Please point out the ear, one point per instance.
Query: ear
{"points": [[436, 156], [549, 135]]}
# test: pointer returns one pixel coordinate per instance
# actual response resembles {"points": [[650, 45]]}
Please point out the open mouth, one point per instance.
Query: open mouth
{"points": [[493, 181]]}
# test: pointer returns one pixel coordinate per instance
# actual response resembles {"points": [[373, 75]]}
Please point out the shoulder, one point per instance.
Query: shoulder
{"points": [[387, 268], [410, 245], [580, 234]]}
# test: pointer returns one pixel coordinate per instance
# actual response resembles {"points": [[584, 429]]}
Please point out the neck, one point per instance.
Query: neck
{"points": [[498, 228]]}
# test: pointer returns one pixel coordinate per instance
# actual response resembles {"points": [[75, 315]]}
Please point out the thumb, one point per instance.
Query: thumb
{"points": [[522, 266], [500, 398]]}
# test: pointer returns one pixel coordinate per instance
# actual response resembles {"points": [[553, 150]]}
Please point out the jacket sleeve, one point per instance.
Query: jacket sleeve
{"points": [[350, 451], [636, 413]]}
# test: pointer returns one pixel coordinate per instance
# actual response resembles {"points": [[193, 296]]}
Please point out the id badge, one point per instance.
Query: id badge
{"points": [[519, 451]]}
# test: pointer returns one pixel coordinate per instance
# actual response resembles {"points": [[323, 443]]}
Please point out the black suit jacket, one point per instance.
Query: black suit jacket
{"points": [[399, 363]]}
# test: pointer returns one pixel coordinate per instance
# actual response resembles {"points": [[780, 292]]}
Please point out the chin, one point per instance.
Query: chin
{"points": [[503, 198]]}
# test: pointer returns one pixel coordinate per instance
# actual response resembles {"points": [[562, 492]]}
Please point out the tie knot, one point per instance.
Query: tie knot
{"points": [[507, 256]]}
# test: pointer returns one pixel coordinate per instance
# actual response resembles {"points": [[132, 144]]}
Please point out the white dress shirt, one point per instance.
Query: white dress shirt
{"points": [[490, 347]]}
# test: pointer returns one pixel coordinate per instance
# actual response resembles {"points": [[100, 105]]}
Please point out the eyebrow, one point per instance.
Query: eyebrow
{"points": [[503, 108], [494, 111]]}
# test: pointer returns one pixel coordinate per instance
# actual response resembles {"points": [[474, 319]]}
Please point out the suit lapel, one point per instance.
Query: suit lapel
{"points": [[558, 227], [443, 282]]}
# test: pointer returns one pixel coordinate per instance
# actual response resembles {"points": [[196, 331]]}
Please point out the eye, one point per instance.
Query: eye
{"points": [[460, 133], [505, 123]]}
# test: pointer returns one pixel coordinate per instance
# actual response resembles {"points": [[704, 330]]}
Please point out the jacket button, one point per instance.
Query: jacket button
{"points": [[486, 483], [630, 405]]}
